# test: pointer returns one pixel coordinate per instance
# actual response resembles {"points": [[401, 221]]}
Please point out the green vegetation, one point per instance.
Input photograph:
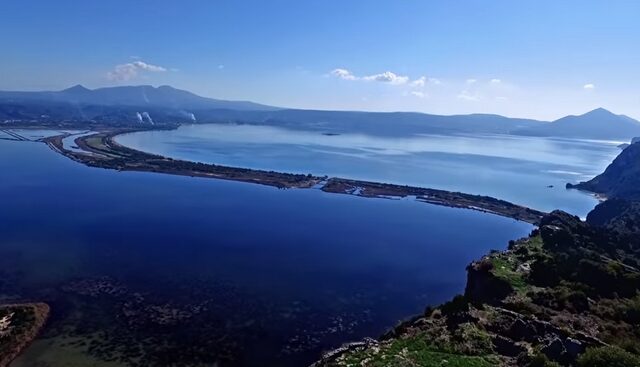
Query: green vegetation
{"points": [[608, 357], [540, 360], [414, 351], [569, 295], [504, 269]]}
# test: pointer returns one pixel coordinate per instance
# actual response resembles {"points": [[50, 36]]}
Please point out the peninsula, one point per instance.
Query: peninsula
{"points": [[102, 150]]}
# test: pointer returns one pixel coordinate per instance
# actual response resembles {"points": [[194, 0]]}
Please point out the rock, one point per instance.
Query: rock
{"points": [[483, 286], [507, 347], [521, 330], [621, 179], [554, 349], [573, 347]]}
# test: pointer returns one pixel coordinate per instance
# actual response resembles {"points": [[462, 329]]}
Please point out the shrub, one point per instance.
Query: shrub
{"points": [[540, 360], [608, 357], [459, 304], [632, 311]]}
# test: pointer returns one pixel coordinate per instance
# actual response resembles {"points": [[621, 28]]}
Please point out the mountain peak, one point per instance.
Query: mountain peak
{"points": [[77, 88], [599, 112]]}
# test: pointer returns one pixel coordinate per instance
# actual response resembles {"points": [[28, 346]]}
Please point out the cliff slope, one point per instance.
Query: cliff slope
{"points": [[621, 179]]}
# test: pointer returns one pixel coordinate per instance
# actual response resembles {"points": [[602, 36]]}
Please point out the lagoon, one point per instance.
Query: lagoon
{"points": [[530, 171], [152, 269]]}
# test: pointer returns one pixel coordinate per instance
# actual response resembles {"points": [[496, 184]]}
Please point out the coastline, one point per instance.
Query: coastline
{"points": [[21, 324], [498, 285], [102, 151], [550, 299]]}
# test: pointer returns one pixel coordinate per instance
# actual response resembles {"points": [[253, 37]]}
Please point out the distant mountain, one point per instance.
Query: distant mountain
{"points": [[135, 105], [596, 124], [142, 96]]}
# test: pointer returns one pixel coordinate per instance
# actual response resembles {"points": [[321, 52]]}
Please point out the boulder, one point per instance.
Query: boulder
{"points": [[522, 330], [554, 349], [574, 348], [507, 347]]}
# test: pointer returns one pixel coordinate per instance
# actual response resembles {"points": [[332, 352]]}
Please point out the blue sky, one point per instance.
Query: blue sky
{"points": [[541, 59]]}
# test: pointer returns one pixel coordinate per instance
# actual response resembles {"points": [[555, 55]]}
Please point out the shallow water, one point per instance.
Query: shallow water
{"points": [[530, 171], [148, 269], [69, 142]]}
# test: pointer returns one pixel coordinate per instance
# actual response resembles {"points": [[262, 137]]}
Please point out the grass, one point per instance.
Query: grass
{"points": [[535, 243], [413, 351], [504, 269]]}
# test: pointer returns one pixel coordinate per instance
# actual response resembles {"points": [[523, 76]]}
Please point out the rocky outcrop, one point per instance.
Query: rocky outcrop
{"points": [[482, 284], [550, 296], [19, 325], [620, 180]]}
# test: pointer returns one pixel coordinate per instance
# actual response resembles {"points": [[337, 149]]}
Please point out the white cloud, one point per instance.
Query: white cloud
{"points": [[496, 81], [343, 74], [472, 81], [434, 81], [148, 67], [128, 71], [419, 94], [589, 86], [420, 82], [388, 77]]}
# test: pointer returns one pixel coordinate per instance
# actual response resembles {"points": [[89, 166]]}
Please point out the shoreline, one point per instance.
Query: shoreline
{"points": [[102, 151], [34, 315]]}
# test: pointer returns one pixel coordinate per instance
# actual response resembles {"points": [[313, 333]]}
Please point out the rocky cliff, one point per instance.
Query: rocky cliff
{"points": [[621, 179]]}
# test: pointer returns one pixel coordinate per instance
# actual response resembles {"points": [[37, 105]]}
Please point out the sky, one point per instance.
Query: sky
{"points": [[527, 58]]}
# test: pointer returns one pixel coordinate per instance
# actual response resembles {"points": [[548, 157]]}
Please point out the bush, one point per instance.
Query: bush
{"points": [[632, 311], [608, 357], [459, 304], [540, 360]]}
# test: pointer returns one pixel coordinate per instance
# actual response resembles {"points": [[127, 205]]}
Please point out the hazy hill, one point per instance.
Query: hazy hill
{"points": [[596, 124], [136, 96], [134, 105], [167, 105]]}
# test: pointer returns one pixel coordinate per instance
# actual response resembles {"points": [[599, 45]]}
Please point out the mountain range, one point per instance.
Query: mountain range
{"points": [[165, 105], [138, 96]]}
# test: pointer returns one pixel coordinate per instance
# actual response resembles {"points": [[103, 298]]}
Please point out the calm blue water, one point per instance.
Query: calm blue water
{"points": [[517, 169], [250, 275]]}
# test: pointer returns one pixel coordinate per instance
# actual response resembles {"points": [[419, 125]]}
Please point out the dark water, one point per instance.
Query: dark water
{"points": [[515, 168], [148, 269]]}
